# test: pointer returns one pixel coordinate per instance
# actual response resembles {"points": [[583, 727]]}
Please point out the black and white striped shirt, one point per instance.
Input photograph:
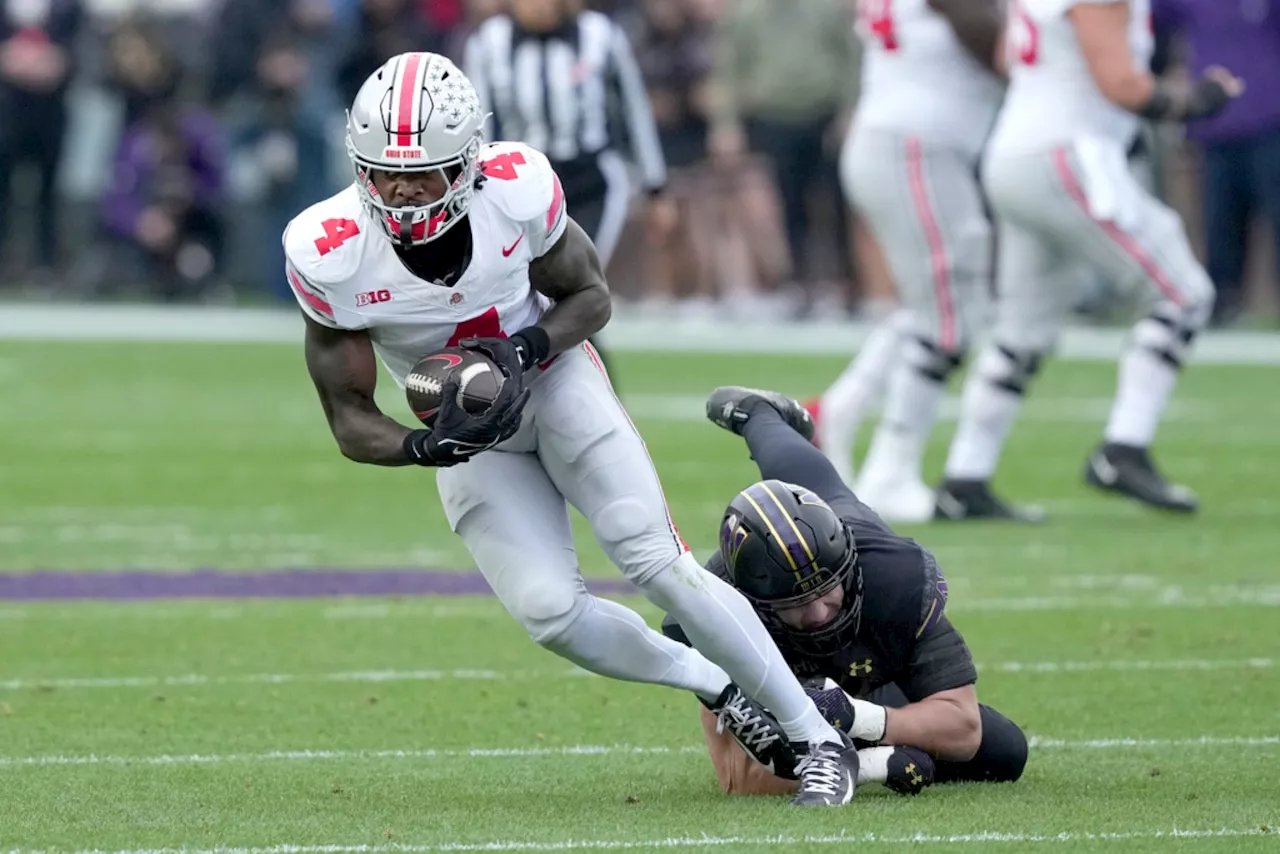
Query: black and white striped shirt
{"points": [[556, 91]]}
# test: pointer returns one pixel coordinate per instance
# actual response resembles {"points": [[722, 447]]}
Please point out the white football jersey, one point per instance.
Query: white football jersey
{"points": [[918, 79], [1052, 98], [346, 274]]}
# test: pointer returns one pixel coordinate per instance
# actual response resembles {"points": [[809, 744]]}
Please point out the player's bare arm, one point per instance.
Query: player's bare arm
{"points": [[345, 373], [1102, 30], [978, 24], [570, 274], [946, 724]]}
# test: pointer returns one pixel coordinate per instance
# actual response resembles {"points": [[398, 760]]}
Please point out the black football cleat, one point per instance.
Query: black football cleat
{"points": [[960, 500], [757, 731], [828, 773], [1129, 471], [910, 770], [730, 407]]}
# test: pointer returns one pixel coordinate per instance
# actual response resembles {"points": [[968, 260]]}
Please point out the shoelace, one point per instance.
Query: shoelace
{"points": [[820, 772], [745, 724]]}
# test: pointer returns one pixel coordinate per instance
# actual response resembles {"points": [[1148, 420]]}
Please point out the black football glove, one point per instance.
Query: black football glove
{"points": [[456, 435], [862, 720], [1206, 98], [516, 354]]}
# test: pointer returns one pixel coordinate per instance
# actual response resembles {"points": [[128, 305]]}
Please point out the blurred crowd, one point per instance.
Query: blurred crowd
{"points": [[157, 148]]}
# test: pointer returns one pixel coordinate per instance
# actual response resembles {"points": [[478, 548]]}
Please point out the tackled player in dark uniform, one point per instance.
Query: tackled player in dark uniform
{"points": [[858, 612]]}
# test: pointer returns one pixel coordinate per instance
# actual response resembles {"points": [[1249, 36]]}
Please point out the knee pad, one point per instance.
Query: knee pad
{"points": [[547, 614], [1003, 752], [638, 537], [931, 360], [1009, 369]]}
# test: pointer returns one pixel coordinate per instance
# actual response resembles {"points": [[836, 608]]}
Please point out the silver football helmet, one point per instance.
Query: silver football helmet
{"points": [[416, 113]]}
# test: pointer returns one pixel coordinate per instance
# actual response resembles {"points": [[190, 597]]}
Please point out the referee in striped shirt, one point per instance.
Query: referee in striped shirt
{"points": [[564, 81]]}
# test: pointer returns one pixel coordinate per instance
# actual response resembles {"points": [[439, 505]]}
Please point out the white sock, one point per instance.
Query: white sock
{"points": [[1146, 381], [721, 623], [987, 411], [910, 409], [857, 390], [873, 764], [612, 640]]}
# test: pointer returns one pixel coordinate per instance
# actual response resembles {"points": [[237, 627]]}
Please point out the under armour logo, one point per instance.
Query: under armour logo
{"points": [[913, 775], [863, 667]]}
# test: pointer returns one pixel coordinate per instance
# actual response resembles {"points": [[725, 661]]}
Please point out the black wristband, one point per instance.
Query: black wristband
{"points": [[415, 448], [534, 344]]}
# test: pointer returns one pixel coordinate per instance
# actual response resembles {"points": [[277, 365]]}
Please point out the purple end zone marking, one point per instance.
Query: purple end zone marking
{"points": [[289, 583]]}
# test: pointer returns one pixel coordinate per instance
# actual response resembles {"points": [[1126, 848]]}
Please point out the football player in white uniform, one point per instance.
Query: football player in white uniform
{"points": [[909, 166], [444, 240], [1056, 175]]}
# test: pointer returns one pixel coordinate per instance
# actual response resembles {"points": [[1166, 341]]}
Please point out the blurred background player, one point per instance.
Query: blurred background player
{"points": [[848, 601], [909, 167], [555, 76], [1057, 178]]}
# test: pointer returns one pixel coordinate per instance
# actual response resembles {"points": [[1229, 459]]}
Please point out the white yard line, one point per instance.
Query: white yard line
{"points": [[1041, 742], [843, 839], [1170, 597], [579, 750], [201, 679], [36, 683], [1126, 665], [625, 332], [1050, 410]]}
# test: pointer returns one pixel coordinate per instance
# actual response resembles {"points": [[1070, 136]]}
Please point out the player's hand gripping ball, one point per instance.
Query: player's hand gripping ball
{"points": [[479, 382]]}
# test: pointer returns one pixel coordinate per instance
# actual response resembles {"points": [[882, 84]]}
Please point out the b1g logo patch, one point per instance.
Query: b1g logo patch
{"points": [[372, 297]]}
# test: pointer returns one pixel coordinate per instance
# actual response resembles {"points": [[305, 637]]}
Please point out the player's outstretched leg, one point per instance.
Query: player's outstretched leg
{"points": [[770, 422]]}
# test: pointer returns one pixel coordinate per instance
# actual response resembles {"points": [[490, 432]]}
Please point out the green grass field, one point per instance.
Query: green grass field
{"points": [[1140, 651]]}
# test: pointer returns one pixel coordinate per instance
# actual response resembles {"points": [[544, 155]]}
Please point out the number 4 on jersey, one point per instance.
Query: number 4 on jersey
{"points": [[502, 166], [876, 17], [336, 233]]}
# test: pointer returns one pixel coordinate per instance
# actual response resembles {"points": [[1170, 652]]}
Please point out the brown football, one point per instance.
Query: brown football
{"points": [[479, 381]]}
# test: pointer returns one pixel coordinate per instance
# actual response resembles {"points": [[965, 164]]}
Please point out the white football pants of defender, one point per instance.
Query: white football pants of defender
{"points": [[1055, 209], [924, 206], [510, 505]]}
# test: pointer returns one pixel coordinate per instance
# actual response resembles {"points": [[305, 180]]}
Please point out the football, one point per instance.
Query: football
{"points": [[479, 381]]}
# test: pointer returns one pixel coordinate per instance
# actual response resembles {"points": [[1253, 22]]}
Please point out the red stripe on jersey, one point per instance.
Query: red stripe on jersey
{"points": [[681, 545], [1122, 238], [938, 261], [312, 300], [410, 97], [557, 203]]}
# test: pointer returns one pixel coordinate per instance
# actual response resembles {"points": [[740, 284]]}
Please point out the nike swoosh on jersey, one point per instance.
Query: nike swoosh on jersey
{"points": [[507, 250]]}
